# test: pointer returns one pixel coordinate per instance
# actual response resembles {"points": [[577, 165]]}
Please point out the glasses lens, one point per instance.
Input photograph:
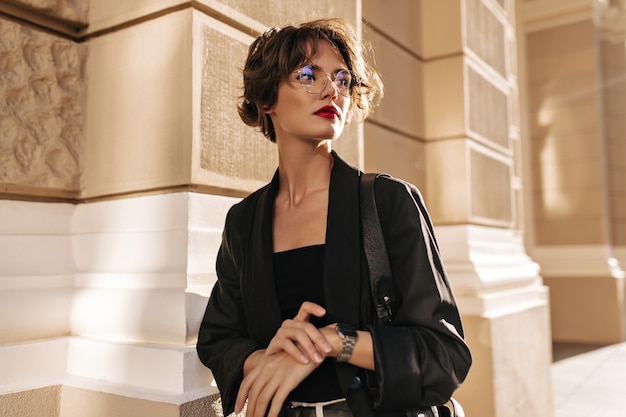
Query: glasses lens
{"points": [[313, 79], [343, 80]]}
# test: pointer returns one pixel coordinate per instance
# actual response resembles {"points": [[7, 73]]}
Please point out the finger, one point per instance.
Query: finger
{"points": [[263, 397], [277, 403], [290, 348], [302, 338], [253, 397], [309, 308], [244, 391]]}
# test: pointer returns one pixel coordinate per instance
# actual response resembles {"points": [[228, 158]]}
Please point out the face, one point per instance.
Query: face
{"points": [[313, 116]]}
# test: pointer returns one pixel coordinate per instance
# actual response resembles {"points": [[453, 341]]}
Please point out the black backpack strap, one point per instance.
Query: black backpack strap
{"points": [[376, 252], [381, 282]]}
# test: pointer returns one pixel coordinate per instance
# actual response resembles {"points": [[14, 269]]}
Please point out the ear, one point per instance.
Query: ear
{"points": [[267, 109]]}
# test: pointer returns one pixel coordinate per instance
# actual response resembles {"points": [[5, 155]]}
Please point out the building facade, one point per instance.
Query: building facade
{"points": [[121, 151]]}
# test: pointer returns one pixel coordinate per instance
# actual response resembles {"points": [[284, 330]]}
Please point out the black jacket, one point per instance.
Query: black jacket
{"points": [[420, 359]]}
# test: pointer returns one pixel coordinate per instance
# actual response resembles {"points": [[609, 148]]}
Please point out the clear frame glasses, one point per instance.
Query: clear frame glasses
{"points": [[314, 80]]}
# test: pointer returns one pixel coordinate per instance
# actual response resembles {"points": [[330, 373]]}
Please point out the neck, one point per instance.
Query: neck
{"points": [[303, 170]]}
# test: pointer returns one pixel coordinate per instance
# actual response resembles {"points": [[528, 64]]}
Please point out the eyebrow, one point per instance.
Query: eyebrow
{"points": [[314, 66]]}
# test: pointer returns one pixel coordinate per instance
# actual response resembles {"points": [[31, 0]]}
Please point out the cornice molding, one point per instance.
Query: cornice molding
{"points": [[539, 15], [610, 19]]}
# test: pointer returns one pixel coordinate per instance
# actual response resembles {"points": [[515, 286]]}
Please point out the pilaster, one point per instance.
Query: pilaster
{"points": [[468, 164], [124, 114], [575, 87]]}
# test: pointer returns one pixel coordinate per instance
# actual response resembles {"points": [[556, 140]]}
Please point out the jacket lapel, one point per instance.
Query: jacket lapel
{"points": [[258, 284], [342, 254], [342, 266]]}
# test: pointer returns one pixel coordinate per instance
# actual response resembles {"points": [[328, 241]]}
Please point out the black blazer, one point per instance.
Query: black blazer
{"points": [[420, 359]]}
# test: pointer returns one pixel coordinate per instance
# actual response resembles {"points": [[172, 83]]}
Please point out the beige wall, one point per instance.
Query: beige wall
{"points": [[450, 124], [122, 113], [574, 89], [566, 139], [613, 61]]}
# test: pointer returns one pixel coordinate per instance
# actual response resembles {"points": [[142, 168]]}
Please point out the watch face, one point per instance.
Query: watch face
{"points": [[346, 330]]}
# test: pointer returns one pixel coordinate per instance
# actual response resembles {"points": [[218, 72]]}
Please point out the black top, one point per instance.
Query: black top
{"points": [[298, 275]]}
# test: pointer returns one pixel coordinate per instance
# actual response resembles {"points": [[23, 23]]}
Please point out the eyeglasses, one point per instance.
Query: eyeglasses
{"points": [[313, 79]]}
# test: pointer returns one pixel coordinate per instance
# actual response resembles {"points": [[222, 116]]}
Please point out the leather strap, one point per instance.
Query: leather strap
{"points": [[375, 250], [380, 270]]}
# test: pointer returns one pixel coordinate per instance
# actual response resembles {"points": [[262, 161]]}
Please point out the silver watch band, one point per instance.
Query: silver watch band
{"points": [[349, 338]]}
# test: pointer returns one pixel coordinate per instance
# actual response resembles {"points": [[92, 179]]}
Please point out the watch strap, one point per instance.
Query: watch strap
{"points": [[349, 338]]}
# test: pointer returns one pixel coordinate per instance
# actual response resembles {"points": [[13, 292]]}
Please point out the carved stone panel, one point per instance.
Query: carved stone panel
{"points": [[41, 109], [69, 10], [491, 189], [229, 147], [488, 108], [486, 35]]}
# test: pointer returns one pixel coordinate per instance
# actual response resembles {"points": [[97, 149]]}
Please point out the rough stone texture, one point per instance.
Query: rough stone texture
{"points": [[491, 189], [227, 143], [41, 108], [486, 35], [70, 10], [210, 406], [42, 402], [279, 13], [488, 109]]}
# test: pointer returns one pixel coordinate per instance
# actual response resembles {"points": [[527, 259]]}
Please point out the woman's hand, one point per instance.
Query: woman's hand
{"points": [[269, 382], [301, 339]]}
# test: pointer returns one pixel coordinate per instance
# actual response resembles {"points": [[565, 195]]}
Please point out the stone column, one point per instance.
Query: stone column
{"points": [[611, 20], [121, 123], [450, 122], [576, 97], [42, 93]]}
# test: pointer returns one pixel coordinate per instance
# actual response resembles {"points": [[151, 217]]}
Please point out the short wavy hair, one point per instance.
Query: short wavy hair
{"points": [[275, 54]]}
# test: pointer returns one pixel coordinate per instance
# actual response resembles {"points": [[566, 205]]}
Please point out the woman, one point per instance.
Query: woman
{"points": [[289, 326]]}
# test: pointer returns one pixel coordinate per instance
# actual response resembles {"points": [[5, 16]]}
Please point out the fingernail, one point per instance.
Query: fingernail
{"points": [[317, 358], [304, 359]]}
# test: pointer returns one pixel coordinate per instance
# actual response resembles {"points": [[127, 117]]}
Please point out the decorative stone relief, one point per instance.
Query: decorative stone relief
{"points": [[69, 10], [486, 35], [491, 190], [41, 108], [229, 147], [488, 109]]}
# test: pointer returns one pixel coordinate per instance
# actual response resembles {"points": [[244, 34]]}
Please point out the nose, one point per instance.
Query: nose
{"points": [[334, 89]]}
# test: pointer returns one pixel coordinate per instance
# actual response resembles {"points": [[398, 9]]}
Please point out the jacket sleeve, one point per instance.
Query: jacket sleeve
{"points": [[223, 345], [421, 358]]}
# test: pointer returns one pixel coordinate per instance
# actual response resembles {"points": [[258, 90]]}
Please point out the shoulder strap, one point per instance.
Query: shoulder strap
{"points": [[376, 250], [380, 270]]}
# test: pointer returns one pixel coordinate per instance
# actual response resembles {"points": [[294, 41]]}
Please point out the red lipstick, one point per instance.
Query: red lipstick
{"points": [[327, 112]]}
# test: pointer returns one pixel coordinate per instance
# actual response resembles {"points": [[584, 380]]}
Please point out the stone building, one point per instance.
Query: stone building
{"points": [[121, 151]]}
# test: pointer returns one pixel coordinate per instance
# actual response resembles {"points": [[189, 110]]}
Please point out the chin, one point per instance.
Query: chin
{"points": [[334, 133], [330, 137]]}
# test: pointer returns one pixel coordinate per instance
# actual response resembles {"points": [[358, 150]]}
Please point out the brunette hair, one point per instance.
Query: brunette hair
{"points": [[275, 54]]}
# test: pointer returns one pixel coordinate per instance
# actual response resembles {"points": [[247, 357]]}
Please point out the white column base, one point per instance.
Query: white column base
{"points": [[489, 270], [581, 260]]}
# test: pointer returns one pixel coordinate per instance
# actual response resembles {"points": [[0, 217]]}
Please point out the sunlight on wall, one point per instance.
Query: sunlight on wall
{"points": [[554, 201]]}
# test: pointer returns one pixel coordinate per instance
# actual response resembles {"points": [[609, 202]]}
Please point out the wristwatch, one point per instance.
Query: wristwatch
{"points": [[348, 337]]}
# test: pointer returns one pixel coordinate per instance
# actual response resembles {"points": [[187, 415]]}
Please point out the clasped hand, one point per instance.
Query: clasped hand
{"points": [[293, 354]]}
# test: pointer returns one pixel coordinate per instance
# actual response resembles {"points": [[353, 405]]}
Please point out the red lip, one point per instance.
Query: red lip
{"points": [[328, 112]]}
